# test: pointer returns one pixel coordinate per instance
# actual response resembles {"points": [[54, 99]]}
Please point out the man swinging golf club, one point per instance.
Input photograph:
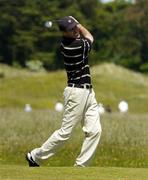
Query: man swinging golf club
{"points": [[80, 104]]}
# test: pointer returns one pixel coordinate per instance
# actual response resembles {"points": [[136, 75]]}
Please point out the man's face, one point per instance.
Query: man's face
{"points": [[74, 33]]}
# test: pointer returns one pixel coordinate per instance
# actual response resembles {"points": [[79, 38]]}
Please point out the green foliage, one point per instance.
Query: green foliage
{"points": [[137, 17], [46, 59], [144, 67], [117, 42], [119, 29]]}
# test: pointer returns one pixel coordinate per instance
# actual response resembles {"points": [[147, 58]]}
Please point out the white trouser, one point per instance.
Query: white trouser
{"points": [[80, 106]]}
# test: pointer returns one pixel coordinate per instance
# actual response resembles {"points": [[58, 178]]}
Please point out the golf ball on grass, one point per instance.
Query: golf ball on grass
{"points": [[123, 106], [59, 107]]}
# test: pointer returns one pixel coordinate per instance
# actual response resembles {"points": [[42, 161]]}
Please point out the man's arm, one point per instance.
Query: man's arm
{"points": [[85, 33]]}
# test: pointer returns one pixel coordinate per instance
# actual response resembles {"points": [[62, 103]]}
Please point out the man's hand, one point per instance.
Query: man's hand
{"points": [[74, 19], [85, 33]]}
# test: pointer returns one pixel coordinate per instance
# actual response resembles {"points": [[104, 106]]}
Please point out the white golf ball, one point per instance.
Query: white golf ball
{"points": [[101, 108], [48, 24], [28, 108], [59, 107], [123, 106]]}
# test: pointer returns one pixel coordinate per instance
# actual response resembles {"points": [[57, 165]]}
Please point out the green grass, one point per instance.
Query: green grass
{"points": [[124, 141], [42, 90], [8, 172]]}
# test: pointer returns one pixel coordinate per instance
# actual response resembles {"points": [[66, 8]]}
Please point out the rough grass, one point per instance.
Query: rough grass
{"points": [[124, 141], [42, 90], [67, 173]]}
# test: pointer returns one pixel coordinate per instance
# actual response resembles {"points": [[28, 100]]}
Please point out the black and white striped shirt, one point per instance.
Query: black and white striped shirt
{"points": [[75, 53]]}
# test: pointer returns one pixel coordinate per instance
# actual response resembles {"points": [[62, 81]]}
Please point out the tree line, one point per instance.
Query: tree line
{"points": [[120, 30]]}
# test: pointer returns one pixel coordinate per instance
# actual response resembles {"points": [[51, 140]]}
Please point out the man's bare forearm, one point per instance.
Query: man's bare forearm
{"points": [[85, 32]]}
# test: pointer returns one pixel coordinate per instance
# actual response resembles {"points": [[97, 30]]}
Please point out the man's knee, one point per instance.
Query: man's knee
{"points": [[63, 134]]}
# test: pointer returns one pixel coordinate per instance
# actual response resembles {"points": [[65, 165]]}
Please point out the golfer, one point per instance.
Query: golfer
{"points": [[80, 104]]}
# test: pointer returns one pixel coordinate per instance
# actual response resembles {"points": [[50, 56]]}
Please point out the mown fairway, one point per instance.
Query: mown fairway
{"points": [[67, 173]]}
